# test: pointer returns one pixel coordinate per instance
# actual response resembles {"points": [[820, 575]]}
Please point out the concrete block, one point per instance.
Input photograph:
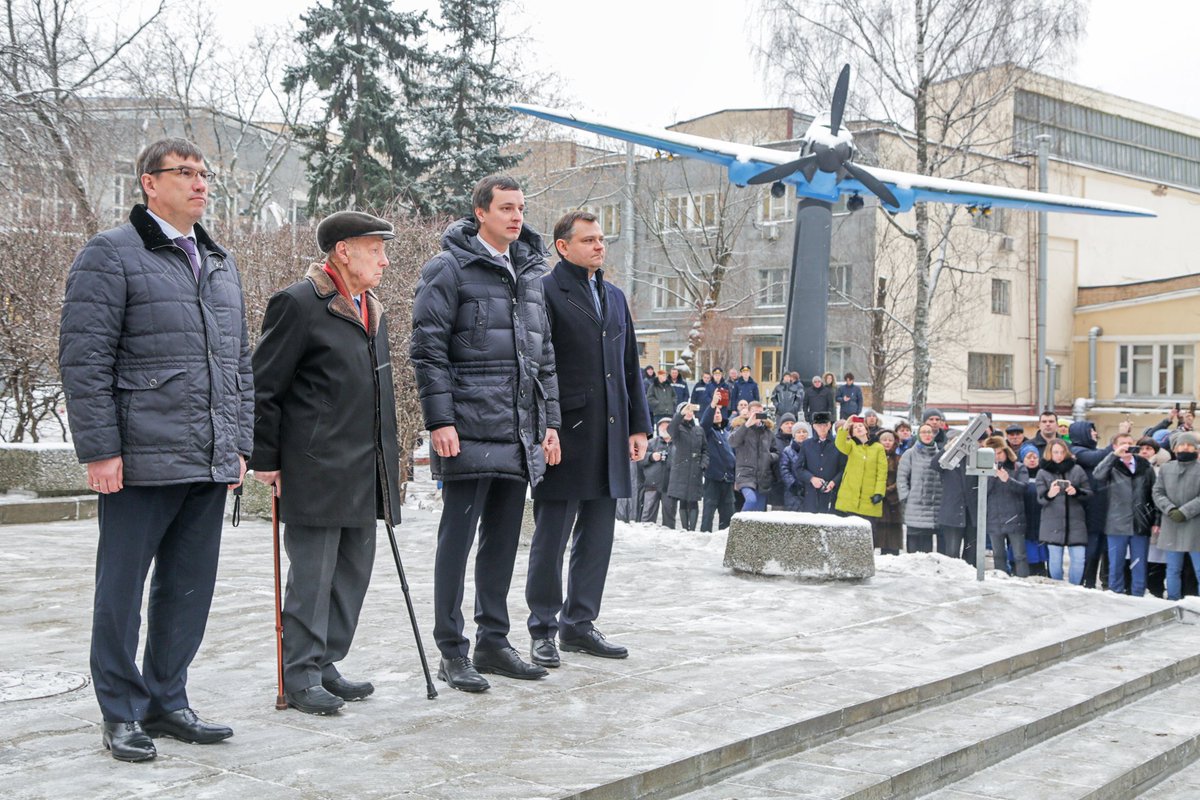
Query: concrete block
{"points": [[47, 469], [818, 547]]}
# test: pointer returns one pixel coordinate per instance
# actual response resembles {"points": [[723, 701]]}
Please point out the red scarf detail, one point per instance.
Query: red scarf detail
{"points": [[344, 292]]}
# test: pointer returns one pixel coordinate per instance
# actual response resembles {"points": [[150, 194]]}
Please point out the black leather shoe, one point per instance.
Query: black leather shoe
{"points": [[314, 700], [544, 652], [592, 643], [348, 690], [507, 661], [461, 674], [127, 741], [185, 726]]}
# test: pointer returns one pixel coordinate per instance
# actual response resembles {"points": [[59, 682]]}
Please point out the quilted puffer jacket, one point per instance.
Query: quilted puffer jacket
{"points": [[483, 358], [156, 368]]}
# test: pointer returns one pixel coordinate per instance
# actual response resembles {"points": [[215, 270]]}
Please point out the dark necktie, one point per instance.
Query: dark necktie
{"points": [[189, 247]]}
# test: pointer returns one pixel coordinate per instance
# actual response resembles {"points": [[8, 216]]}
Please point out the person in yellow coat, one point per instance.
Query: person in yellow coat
{"points": [[864, 481]]}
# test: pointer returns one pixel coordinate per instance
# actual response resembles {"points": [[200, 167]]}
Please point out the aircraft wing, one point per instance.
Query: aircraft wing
{"points": [[744, 161], [910, 188], [715, 151]]}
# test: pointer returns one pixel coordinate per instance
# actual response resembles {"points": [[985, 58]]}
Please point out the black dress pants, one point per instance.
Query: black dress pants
{"points": [[718, 500], [495, 506], [328, 574], [588, 524], [178, 528]]}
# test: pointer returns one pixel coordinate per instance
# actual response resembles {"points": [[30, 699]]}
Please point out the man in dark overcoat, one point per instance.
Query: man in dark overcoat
{"points": [[155, 363], [820, 465], [484, 364], [325, 441], [605, 421]]}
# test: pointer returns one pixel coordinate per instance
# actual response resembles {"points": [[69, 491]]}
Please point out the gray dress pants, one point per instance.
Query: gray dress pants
{"points": [[327, 580]]}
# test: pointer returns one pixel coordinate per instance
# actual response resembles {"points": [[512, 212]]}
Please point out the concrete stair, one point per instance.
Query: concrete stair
{"points": [[1027, 727]]}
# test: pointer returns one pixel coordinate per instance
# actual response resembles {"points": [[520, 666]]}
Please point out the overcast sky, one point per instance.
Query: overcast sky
{"points": [[654, 62]]}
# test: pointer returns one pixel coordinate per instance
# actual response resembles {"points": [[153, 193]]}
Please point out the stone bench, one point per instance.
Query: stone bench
{"points": [[820, 547], [44, 469]]}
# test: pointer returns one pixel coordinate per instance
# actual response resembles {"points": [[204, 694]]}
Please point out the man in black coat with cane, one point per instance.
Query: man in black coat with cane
{"points": [[325, 440], [605, 421]]}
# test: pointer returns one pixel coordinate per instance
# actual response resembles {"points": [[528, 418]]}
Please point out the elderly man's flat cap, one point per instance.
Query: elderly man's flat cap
{"points": [[348, 225]]}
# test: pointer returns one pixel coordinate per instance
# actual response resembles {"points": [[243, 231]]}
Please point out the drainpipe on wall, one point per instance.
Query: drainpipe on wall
{"points": [[1093, 335], [1051, 371]]}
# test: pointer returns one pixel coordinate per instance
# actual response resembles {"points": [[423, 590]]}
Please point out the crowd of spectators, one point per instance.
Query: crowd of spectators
{"points": [[1122, 515]]}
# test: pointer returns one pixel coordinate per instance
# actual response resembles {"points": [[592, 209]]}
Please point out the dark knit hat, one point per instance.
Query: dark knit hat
{"points": [[821, 416], [349, 225], [789, 417], [932, 412]]}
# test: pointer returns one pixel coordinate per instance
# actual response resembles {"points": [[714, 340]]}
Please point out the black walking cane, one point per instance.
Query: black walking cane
{"points": [[431, 692], [281, 703]]}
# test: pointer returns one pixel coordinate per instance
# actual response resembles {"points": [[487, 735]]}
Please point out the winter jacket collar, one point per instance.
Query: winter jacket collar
{"points": [[1059, 468], [460, 241], [573, 279], [339, 304], [153, 237]]}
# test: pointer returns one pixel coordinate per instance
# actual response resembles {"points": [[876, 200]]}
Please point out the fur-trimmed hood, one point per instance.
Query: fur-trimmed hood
{"points": [[339, 305]]}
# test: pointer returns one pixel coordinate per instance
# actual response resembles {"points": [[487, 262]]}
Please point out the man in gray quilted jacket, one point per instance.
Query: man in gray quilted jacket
{"points": [[155, 362]]}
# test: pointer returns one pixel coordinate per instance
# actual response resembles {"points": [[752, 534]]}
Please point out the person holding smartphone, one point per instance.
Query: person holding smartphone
{"points": [[1061, 486], [1131, 515], [751, 442]]}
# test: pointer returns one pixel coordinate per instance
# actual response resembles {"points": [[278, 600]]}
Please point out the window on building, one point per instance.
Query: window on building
{"points": [[1001, 289], [839, 282], [705, 211], [608, 216], [669, 358], [1156, 370], [673, 213], [772, 287], [837, 359], [669, 292], [777, 209], [989, 371], [988, 219], [126, 189]]}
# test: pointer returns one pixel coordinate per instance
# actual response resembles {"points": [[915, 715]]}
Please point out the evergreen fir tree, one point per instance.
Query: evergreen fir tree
{"points": [[368, 60], [467, 120]]}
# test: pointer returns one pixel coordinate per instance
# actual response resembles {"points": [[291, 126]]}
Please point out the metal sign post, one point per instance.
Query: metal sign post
{"points": [[981, 462]]}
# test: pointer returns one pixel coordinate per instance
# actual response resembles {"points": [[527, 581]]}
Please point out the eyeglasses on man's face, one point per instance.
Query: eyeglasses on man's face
{"points": [[187, 173]]}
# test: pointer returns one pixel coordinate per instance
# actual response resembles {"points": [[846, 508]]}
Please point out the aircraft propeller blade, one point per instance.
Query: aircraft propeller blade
{"points": [[877, 187], [839, 100], [783, 170]]}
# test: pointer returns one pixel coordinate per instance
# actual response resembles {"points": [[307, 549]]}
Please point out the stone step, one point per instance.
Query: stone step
{"points": [[1183, 785], [921, 751], [944, 675], [1123, 754]]}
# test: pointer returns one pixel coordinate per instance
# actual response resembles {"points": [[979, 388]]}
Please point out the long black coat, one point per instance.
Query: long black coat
{"points": [[601, 397], [324, 409], [820, 459], [482, 355], [687, 460], [818, 399], [960, 497]]}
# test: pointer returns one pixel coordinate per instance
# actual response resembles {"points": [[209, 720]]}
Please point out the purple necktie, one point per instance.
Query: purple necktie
{"points": [[189, 247]]}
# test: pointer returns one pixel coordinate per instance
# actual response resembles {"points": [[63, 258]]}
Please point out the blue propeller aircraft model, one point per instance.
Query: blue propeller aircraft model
{"points": [[822, 171]]}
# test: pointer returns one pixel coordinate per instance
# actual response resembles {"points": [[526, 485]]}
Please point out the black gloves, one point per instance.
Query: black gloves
{"points": [[876, 499], [1176, 515]]}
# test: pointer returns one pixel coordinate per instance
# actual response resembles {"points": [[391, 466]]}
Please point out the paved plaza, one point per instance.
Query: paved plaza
{"points": [[718, 661]]}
